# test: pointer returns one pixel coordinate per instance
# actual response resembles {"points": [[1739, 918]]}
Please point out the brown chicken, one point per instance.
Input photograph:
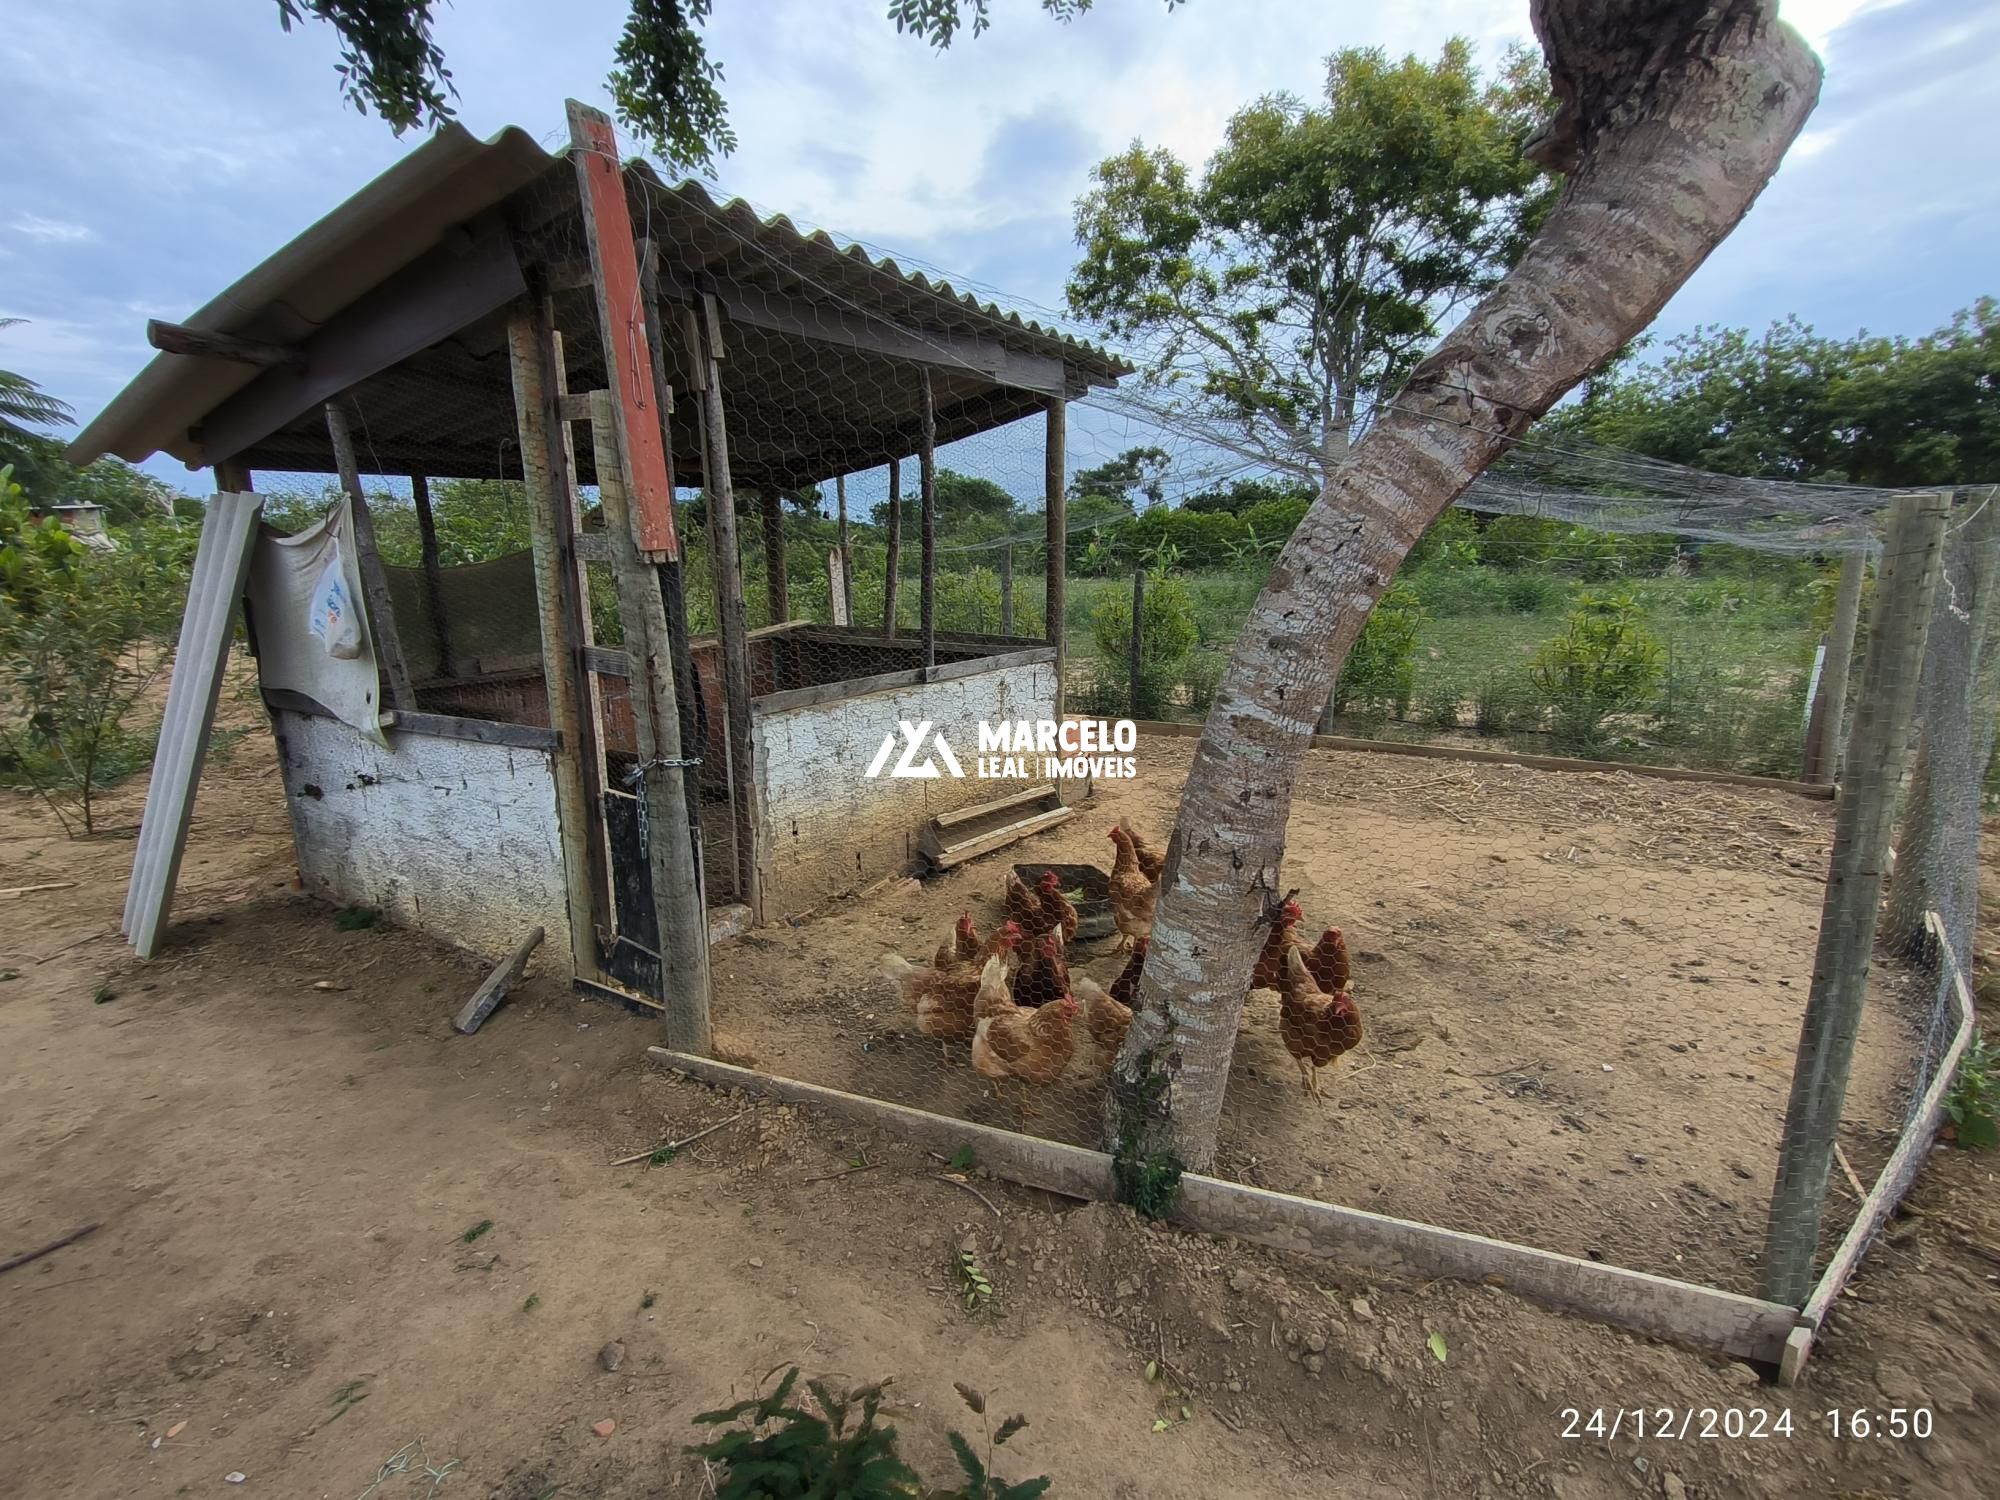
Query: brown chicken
{"points": [[1152, 859], [1105, 1017], [1270, 969], [943, 999], [1044, 973], [1031, 1045], [1132, 894], [1328, 963], [1025, 906], [1316, 1027], [1056, 908], [962, 947], [1125, 988]]}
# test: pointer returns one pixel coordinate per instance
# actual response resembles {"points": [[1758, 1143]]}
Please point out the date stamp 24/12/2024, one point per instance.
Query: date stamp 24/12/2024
{"points": [[1745, 1423]]}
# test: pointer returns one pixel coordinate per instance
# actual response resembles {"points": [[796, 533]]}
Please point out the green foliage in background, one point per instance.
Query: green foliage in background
{"points": [[1169, 630], [1606, 661], [1379, 674]]}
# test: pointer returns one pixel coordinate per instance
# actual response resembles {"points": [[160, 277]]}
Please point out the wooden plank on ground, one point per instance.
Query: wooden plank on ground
{"points": [[506, 974], [950, 856], [222, 564], [1655, 1305]]}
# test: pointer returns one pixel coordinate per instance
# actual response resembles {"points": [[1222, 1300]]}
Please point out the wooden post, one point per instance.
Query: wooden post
{"points": [[836, 589], [846, 550], [1055, 505], [1007, 589], [545, 469], [420, 492], [374, 582], [722, 546], [673, 582], [1905, 590], [1138, 637], [927, 491], [1823, 756], [889, 579], [663, 779], [777, 586]]}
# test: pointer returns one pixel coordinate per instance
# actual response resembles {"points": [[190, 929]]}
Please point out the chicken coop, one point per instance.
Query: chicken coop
{"points": [[477, 748]]}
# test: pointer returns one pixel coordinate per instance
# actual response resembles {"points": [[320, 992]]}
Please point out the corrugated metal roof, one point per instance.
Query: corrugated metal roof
{"points": [[454, 177]]}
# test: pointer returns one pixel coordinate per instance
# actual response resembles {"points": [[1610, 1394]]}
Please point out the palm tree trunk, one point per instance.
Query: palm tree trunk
{"points": [[1672, 119]]}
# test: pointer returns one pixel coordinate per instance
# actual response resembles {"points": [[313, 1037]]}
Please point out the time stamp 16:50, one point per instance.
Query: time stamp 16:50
{"points": [[1721, 1423]]}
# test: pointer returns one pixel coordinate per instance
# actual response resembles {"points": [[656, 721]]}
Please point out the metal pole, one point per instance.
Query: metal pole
{"points": [[1138, 633], [1905, 591], [927, 480], [1054, 506]]}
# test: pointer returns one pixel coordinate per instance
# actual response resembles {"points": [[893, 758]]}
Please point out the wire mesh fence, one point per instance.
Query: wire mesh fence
{"points": [[1557, 1005]]}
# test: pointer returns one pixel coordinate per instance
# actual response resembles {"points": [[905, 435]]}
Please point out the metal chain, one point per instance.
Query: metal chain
{"points": [[636, 777]]}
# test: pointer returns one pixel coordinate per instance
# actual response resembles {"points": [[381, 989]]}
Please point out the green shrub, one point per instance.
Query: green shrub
{"points": [[1502, 704], [1201, 675], [1974, 1098], [783, 1451], [1512, 542], [1380, 672], [1531, 593], [1606, 661], [1170, 629], [1438, 705], [1452, 541]]}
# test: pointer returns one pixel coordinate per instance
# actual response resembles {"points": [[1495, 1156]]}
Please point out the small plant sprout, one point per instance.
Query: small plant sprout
{"points": [[974, 1285], [1973, 1101], [534, 1301], [648, 1300], [476, 1230], [1436, 1345], [962, 1159]]}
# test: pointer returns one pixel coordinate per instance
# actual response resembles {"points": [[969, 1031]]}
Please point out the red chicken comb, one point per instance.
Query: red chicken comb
{"points": [[1293, 911], [965, 922], [1012, 931], [1051, 881]]}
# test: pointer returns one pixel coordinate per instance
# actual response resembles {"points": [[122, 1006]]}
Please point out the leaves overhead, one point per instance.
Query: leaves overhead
{"points": [[664, 83], [1301, 275]]}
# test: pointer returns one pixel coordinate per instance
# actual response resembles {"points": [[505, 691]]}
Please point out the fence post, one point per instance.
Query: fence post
{"points": [[1007, 589], [420, 494], [927, 482], [889, 579], [846, 551], [1905, 590], [1823, 753], [374, 582], [1138, 633], [1055, 506]]}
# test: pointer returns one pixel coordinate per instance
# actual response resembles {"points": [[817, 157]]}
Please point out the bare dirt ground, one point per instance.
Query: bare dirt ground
{"points": [[1581, 996], [283, 1176]]}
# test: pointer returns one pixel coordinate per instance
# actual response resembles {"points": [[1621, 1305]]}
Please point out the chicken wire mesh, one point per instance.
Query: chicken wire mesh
{"points": [[1561, 1007]]}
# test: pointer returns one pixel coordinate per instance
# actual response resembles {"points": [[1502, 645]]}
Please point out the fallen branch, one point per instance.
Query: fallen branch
{"points": [[1847, 1166], [865, 1165], [29, 890], [503, 978], [49, 1249], [961, 1182], [626, 1161]]}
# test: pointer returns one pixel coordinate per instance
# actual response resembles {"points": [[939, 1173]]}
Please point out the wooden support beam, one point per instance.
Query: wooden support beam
{"points": [[196, 343], [890, 580], [621, 321], [777, 585], [382, 630], [1906, 589], [420, 493], [846, 548], [1823, 755], [824, 322], [927, 492], [1007, 590], [664, 778], [1055, 506], [1654, 1305], [688, 696], [535, 361], [726, 559], [432, 298], [493, 989]]}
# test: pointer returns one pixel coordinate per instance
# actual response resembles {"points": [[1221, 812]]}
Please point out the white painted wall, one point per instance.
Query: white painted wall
{"points": [[826, 828], [458, 839]]}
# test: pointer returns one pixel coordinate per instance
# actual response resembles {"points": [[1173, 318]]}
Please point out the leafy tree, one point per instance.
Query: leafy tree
{"points": [[1141, 469], [23, 401], [665, 85], [1242, 494], [1296, 282], [1606, 661]]}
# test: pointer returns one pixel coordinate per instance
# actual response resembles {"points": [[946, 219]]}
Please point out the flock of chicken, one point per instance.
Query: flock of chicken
{"points": [[1012, 995]]}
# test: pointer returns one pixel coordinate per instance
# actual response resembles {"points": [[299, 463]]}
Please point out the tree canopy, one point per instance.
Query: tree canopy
{"points": [[1140, 469], [1792, 403], [1298, 279], [664, 83]]}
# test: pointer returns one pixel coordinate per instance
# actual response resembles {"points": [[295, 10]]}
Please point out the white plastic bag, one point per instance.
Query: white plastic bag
{"points": [[332, 619]]}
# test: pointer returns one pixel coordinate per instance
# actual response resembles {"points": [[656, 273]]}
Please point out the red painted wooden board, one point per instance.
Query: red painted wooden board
{"points": [[629, 360]]}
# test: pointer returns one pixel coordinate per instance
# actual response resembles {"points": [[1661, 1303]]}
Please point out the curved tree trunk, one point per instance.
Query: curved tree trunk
{"points": [[1673, 117]]}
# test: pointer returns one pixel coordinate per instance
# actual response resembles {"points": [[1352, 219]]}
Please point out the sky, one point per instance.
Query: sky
{"points": [[159, 151]]}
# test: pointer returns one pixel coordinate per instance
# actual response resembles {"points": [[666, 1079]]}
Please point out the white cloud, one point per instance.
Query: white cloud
{"points": [[53, 231]]}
